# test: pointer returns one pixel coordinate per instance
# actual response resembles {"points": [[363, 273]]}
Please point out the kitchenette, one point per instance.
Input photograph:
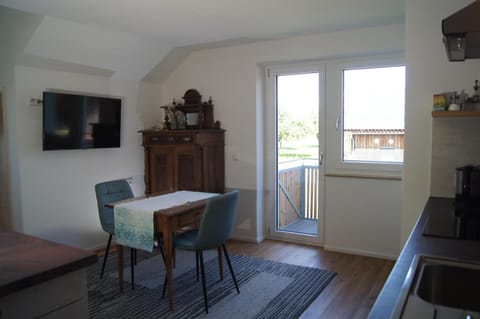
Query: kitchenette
{"points": [[437, 274]]}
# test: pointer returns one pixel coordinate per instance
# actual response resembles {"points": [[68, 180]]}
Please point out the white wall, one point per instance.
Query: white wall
{"points": [[16, 27], [57, 187], [428, 72], [232, 76], [363, 216]]}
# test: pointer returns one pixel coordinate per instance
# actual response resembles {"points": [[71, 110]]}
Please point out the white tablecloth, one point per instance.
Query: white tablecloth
{"points": [[134, 220]]}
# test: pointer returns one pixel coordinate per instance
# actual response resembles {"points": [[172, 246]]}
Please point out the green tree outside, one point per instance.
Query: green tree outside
{"points": [[297, 138]]}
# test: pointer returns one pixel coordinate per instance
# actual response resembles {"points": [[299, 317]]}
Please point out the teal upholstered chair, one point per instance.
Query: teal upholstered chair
{"points": [[215, 228], [109, 192]]}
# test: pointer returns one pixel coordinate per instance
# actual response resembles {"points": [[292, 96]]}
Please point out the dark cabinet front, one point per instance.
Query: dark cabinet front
{"points": [[184, 160], [188, 170], [161, 164]]}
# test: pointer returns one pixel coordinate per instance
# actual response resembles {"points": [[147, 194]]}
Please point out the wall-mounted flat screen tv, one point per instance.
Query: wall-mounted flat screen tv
{"points": [[76, 121]]}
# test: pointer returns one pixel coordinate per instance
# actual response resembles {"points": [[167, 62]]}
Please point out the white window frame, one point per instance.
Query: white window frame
{"points": [[334, 117], [271, 186]]}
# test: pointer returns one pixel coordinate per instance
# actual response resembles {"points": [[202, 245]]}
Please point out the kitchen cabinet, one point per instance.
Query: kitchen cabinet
{"points": [[42, 279], [184, 160]]}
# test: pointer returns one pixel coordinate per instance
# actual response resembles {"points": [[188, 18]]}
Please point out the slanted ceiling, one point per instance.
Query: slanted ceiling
{"points": [[125, 55], [145, 40]]}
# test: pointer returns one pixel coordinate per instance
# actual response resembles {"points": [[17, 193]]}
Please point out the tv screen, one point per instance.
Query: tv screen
{"points": [[74, 121]]}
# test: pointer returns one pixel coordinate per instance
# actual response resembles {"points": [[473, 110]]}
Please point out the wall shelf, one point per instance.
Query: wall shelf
{"points": [[469, 113]]}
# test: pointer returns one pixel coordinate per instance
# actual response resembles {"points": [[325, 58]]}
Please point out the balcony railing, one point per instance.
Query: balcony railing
{"points": [[297, 191]]}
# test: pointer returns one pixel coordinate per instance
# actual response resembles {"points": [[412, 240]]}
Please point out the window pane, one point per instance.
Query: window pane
{"points": [[373, 114], [297, 105], [297, 161]]}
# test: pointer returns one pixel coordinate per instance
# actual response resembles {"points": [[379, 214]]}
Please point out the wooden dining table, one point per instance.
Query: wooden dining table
{"points": [[168, 221]]}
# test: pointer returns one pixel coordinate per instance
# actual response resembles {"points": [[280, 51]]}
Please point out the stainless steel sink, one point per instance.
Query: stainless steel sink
{"points": [[437, 288], [452, 285]]}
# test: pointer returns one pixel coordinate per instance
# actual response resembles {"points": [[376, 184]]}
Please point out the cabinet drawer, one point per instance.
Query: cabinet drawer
{"points": [[49, 299], [187, 138], [171, 139], [161, 139]]}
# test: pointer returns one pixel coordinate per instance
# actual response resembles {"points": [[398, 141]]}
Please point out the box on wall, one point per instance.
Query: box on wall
{"points": [[441, 101]]}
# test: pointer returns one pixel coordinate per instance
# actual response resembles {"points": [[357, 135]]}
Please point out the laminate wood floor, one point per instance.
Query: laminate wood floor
{"points": [[350, 295]]}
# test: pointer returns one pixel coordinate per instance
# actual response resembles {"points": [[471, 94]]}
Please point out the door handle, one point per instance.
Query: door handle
{"points": [[321, 159], [337, 123]]}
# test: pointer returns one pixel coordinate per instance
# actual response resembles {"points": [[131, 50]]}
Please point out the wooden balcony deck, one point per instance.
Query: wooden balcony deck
{"points": [[298, 196]]}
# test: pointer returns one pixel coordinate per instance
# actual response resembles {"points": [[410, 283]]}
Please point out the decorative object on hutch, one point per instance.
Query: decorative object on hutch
{"points": [[193, 114]]}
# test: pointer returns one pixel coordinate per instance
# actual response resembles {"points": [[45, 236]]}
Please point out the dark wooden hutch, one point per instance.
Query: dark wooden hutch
{"points": [[191, 158]]}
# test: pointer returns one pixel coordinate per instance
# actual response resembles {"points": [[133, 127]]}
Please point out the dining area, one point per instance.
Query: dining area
{"points": [[171, 238], [169, 222]]}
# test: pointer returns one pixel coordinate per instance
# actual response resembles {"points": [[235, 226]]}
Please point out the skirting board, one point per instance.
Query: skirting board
{"points": [[326, 247], [308, 243], [248, 239], [359, 252], [97, 247]]}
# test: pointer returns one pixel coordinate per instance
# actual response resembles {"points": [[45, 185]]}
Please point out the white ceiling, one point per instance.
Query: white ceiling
{"points": [[149, 29]]}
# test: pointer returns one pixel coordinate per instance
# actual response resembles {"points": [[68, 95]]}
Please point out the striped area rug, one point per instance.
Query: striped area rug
{"points": [[268, 289]]}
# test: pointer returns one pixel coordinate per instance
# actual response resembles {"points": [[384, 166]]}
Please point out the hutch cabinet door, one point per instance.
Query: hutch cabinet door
{"points": [[162, 169], [213, 168], [188, 168]]}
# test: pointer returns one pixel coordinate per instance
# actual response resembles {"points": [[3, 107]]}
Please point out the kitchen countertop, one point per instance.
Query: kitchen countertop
{"points": [[26, 261], [419, 244]]}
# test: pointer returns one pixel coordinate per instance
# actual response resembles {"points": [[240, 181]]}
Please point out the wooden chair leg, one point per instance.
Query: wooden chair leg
{"points": [[204, 284], [132, 265], [230, 267], [106, 255]]}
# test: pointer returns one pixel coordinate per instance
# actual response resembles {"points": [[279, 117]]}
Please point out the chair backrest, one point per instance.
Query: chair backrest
{"points": [[217, 221], [109, 192]]}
